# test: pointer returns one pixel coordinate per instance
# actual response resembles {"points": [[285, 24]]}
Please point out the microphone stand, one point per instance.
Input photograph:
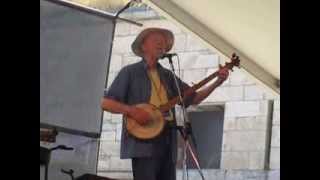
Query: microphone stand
{"points": [[70, 173], [185, 131]]}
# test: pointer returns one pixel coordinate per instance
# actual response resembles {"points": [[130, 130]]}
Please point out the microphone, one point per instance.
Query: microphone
{"points": [[168, 55]]}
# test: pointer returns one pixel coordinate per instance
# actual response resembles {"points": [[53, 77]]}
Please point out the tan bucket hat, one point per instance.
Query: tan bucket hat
{"points": [[136, 45]]}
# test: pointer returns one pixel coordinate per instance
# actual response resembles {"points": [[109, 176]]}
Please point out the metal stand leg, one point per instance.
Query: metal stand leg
{"points": [[70, 173], [187, 146], [46, 172], [46, 164]]}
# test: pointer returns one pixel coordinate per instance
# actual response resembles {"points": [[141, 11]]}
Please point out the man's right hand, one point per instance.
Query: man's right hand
{"points": [[138, 114]]}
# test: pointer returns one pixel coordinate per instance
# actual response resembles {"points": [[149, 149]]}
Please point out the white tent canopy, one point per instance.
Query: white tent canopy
{"points": [[249, 28]]}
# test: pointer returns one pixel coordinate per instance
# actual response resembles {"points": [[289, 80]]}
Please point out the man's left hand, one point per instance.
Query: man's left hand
{"points": [[223, 74]]}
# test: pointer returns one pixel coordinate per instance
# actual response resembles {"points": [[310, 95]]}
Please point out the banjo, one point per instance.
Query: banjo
{"points": [[155, 126]]}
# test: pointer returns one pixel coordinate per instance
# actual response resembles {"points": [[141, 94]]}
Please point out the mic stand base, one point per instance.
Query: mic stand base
{"points": [[185, 134]]}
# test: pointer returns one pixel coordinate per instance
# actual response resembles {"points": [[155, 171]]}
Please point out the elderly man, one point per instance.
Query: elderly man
{"points": [[148, 82]]}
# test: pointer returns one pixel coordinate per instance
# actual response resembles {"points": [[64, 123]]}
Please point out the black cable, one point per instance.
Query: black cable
{"points": [[179, 65], [124, 8]]}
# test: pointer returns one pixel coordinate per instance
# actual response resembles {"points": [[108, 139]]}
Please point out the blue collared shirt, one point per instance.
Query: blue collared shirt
{"points": [[133, 86]]}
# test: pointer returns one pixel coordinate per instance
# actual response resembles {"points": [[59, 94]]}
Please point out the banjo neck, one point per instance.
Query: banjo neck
{"points": [[171, 103]]}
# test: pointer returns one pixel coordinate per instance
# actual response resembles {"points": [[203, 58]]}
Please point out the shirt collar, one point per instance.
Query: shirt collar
{"points": [[145, 65]]}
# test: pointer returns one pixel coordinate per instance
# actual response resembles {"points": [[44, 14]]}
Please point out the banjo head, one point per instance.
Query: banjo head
{"points": [[150, 130]]}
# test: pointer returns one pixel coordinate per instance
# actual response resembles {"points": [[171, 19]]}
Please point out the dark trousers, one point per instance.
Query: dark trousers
{"points": [[158, 167], [153, 169]]}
